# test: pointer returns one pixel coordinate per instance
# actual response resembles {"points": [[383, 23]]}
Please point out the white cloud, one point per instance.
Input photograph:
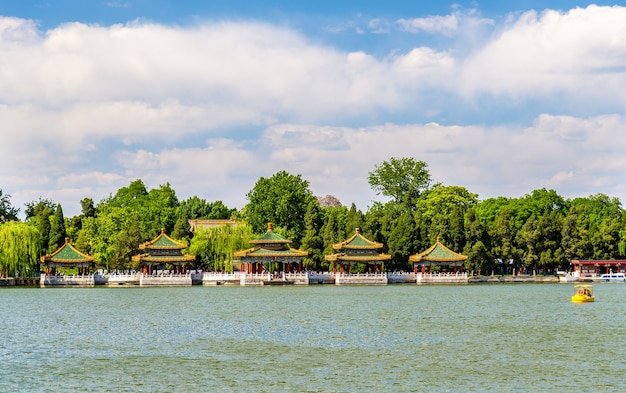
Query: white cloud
{"points": [[210, 108], [446, 25], [581, 52]]}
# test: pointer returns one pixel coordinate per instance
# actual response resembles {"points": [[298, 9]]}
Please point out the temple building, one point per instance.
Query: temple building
{"points": [[437, 255], [597, 267], [163, 251], [271, 252], [67, 257], [358, 249]]}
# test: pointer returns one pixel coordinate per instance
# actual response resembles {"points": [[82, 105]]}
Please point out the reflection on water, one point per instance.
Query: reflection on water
{"points": [[498, 338]]}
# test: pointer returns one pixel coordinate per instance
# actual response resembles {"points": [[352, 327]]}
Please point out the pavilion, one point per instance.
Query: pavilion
{"points": [[163, 251], [358, 249], [450, 262], [67, 257], [271, 252]]}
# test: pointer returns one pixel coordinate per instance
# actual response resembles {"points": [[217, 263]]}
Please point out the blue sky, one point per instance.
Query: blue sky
{"points": [[499, 97]]}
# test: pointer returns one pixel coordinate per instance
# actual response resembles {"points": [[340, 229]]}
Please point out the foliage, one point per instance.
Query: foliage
{"points": [[281, 199], [7, 211], [402, 179], [538, 231], [20, 248], [312, 241], [36, 208], [58, 233], [215, 246]]}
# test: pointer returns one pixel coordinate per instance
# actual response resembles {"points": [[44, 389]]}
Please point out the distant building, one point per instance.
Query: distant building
{"points": [[437, 255], [214, 223], [358, 249], [163, 251], [67, 257], [270, 252]]}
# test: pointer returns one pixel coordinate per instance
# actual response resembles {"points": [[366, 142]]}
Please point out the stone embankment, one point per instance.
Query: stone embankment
{"points": [[527, 278]]}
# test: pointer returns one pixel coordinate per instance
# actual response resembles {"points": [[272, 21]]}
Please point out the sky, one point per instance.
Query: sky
{"points": [[501, 98]]}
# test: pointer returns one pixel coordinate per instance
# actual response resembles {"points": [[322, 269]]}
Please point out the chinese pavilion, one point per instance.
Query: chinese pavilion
{"points": [[437, 255], [68, 257], [160, 251], [358, 249], [270, 248]]}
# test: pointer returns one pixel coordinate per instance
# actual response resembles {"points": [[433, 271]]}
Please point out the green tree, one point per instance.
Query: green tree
{"points": [[442, 211], [312, 241], [20, 248], [281, 199], [7, 211], [215, 246], [39, 214], [402, 241], [402, 179], [477, 244], [58, 232], [354, 219], [37, 208]]}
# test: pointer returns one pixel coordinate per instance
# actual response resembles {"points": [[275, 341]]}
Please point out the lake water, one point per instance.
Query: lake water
{"points": [[396, 338]]}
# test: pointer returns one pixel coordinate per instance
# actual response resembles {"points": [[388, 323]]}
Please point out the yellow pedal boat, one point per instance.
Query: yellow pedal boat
{"points": [[584, 294]]}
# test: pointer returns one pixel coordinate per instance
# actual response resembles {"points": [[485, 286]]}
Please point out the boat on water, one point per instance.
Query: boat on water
{"points": [[612, 277], [583, 294], [568, 276]]}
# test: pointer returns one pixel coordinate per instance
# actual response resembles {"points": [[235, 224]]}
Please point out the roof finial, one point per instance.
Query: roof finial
{"points": [[67, 240], [358, 231], [269, 227], [162, 230]]}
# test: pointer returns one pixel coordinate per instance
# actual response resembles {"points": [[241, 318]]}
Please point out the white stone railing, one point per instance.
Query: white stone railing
{"points": [[86, 280], [172, 279], [122, 276], [442, 277], [361, 275], [296, 276], [221, 276]]}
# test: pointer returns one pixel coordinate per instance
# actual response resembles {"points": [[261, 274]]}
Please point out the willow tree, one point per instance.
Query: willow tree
{"points": [[215, 246], [20, 247]]}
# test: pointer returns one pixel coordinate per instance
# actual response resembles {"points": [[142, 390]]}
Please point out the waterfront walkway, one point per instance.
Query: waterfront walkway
{"points": [[166, 278]]}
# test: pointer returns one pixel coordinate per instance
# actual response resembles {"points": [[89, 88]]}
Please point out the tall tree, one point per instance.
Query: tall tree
{"points": [[312, 240], [39, 213], [281, 199], [7, 211], [20, 248], [402, 179], [58, 232], [36, 208], [215, 247]]}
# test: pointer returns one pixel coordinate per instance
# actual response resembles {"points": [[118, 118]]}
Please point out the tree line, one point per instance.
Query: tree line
{"points": [[539, 231]]}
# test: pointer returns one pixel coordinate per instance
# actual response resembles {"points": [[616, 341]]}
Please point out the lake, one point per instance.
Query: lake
{"points": [[396, 338]]}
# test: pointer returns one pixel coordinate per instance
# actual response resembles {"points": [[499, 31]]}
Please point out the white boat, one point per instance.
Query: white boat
{"points": [[568, 276], [611, 277]]}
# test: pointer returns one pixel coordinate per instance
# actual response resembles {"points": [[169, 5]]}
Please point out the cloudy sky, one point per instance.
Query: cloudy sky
{"points": [[499, 97]]}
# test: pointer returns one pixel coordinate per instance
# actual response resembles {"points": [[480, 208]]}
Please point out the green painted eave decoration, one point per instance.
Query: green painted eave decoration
{"points": [[358, 258], [147, 258], [264, 252], [66, 254], [270, 237], [357, 241], [162, 242], [438, 253]]}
